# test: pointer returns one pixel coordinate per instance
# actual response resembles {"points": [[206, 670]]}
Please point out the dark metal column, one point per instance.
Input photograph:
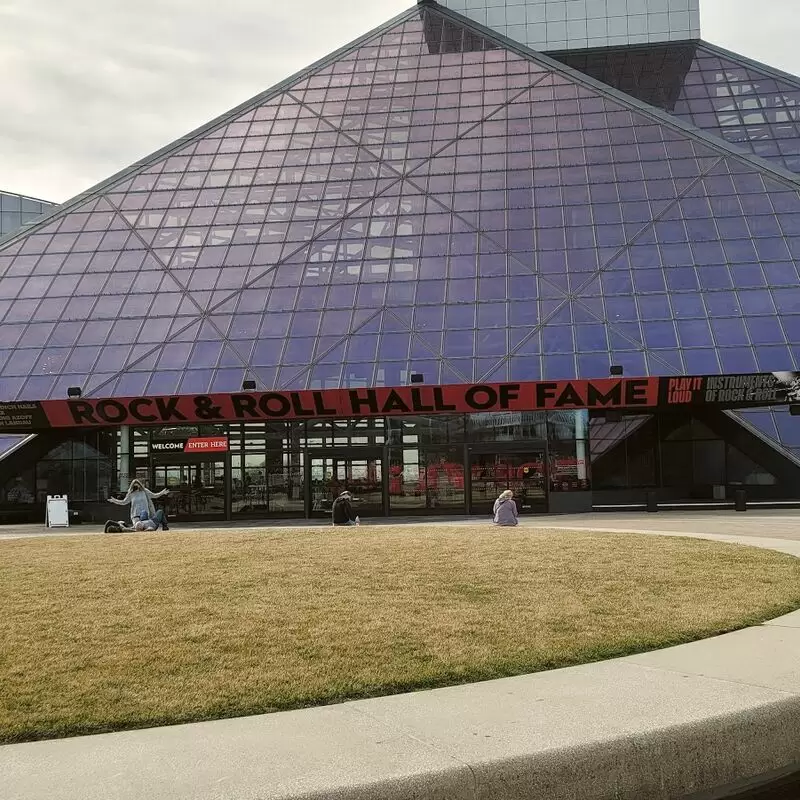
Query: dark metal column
{"points": [[228, 484], [467, 479]]}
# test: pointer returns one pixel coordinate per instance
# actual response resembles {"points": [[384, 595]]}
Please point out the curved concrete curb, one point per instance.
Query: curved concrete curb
{"points": [[661, 725]]}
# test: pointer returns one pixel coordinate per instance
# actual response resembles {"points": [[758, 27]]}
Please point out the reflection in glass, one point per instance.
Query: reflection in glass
{"points": [[426, 480], [361, 475], [370, 431], [426, 430], [195, 490], [80, 467], [737, 101], [524, 473], [507, 426], [19, 490], [568, 467], [624, 451], [268, 485]]}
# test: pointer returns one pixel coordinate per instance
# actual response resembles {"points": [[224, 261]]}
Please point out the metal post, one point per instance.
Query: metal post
{"points": [[385, 467], [228, 482], [124, 457], [467, 461], [581, 426]]}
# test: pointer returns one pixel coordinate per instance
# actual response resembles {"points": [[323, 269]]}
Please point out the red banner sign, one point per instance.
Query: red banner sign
{"points": [[723, 391], [248, 407], [208, 444]]}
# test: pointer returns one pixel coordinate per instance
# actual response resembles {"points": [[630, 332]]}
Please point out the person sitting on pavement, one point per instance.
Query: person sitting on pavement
{"points": [[505, 510], [342, 510], [140, 500]]}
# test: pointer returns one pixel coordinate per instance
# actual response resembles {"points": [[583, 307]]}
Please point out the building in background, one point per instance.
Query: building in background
{"points": [[435, 204], [17, 210], [549, 26]]}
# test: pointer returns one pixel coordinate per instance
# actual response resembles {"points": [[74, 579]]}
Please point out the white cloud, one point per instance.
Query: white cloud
{"points": [[90, 87], [766, 31]]}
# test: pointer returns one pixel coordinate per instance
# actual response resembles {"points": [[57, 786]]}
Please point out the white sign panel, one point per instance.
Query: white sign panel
{"points": [[57, 511]]}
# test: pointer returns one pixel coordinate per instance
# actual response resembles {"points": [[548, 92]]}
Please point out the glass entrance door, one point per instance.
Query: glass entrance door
{"points": [[524, 473], [196, 491], [362, 475]]}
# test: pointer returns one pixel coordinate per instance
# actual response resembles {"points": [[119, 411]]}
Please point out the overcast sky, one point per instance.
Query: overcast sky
{"points": [[90, 86]]}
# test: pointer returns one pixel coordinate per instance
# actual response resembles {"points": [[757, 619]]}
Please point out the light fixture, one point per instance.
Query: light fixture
{"points": [[74, 391], [248, 386], [615, 370], [417, 377]]}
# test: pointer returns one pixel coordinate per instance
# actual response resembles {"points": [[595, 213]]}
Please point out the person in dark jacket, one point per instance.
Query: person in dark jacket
{"points": [[343, 510]]}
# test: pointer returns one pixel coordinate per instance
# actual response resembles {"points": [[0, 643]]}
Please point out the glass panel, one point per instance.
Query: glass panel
{"points": [[359, 474], [734, 100], [525, 474], [195, 490], [507, 426], [426, 480], [624, 452], [421, 430], [269, 484], [81, 467], [742, 470], [19, 490]]}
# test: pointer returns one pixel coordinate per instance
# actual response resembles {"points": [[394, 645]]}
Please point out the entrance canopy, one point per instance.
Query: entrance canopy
{"points": [[719, 391]]}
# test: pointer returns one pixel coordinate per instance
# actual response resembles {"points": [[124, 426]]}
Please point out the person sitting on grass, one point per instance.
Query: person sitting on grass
{"points": [[343, 510], [119, 526], [505, 510], [141, 502]]}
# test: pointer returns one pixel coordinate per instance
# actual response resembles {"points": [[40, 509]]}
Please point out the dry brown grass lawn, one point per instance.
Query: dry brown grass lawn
{"points": [[111, 632]]}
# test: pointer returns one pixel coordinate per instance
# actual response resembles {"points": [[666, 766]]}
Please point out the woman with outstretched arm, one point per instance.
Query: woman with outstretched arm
{"points": [[140, 500]]}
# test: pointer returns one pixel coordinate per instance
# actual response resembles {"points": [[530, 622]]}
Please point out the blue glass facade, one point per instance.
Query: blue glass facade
{"points": [[744, 103], [433, 201]]}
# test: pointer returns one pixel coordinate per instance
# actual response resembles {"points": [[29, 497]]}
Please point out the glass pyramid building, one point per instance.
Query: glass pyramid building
{"points": [[434, 198]]}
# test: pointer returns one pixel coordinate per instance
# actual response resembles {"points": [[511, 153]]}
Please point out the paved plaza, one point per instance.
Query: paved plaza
{"points": [[769, 524]]}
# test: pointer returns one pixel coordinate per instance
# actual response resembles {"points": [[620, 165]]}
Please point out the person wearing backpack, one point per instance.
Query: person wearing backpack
{"points": [[505, 510]]}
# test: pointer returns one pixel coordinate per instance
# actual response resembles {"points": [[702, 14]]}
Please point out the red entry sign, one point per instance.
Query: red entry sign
{"points": [[207, 444]]}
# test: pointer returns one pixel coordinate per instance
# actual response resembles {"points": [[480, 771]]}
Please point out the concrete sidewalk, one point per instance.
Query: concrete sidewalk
{"points": [[770, 524], [776, 524], [668, 724]]}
